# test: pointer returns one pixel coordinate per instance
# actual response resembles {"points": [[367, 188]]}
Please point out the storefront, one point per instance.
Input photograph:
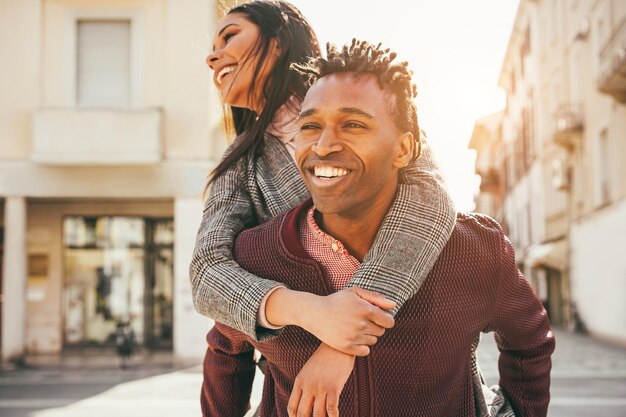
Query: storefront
{"points": [[93, 265]]}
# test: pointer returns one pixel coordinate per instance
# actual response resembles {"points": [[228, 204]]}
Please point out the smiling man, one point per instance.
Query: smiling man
{"points": [[358, 128]]}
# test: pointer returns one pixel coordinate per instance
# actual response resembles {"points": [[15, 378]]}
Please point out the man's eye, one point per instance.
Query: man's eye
{"points": [[354, 125], [309, 126]]}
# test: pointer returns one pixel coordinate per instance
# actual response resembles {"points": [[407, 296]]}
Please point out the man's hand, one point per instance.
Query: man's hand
{"points": [[349, 320], [319, 383]]}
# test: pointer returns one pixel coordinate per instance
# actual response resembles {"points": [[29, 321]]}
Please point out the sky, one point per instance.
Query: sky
{"points": [[454, 47]]}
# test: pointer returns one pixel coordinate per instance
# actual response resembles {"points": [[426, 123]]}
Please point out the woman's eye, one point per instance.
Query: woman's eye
{"points": [[228, 36]]}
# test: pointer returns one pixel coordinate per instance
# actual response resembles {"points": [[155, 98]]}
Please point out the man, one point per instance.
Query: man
{"points": [[358, 127]]}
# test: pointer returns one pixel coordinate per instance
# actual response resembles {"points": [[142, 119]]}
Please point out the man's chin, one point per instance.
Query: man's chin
{"points": [[326, 206]]}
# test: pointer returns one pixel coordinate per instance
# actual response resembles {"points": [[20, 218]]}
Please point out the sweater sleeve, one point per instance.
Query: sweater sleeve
{"points": [[229, 369], [222, 289], [412, 235], [524, 337]]}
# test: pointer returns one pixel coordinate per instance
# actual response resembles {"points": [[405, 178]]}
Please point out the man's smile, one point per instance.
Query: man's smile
{"points": [[329, 171], [326, 174]]}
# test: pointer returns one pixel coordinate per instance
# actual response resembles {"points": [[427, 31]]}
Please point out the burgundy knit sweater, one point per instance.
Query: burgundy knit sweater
{"points": [[420, 367]]}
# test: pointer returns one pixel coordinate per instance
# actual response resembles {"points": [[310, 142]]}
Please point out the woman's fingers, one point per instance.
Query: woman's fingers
{"points": [[375, 298], [367, 340]]}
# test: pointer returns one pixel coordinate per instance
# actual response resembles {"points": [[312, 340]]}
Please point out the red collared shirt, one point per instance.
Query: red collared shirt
{"points": [[330, 253]]}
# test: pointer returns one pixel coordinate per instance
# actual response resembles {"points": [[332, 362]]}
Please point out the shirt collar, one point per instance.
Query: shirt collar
{"points": [[324, 238]]}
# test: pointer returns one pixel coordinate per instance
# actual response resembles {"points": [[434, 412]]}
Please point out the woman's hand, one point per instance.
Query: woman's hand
{"points": [[319, 384], [349, 320]]}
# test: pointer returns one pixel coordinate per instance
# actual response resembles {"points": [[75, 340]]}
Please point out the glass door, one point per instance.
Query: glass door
{"points": [[159, 283]]}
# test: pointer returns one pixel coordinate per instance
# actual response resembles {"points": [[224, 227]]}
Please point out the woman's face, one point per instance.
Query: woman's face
{"points": [[234, 59]]}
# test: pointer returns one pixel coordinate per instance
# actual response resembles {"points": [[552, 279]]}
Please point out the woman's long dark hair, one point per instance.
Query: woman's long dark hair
{"points": [[281, 21]]}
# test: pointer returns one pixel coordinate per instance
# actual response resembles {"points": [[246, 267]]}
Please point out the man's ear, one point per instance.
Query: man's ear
{"points": [[405, 150]]}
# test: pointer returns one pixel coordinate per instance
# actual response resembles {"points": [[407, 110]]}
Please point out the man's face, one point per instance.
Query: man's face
{"points": [[349, 149]]}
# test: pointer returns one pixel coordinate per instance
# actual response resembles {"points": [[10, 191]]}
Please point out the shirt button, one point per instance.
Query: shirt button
{"points": [[335, 247]]}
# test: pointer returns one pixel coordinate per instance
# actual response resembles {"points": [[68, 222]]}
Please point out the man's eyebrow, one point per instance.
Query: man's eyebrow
{"points": [[306, 113], [354, 110], [222, 31], [349, 110]]}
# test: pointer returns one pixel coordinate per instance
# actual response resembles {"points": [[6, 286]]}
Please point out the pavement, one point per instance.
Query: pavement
{"points": [[588, 379]]}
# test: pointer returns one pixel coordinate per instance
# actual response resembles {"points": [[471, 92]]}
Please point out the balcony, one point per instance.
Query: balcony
{"points": [[569, 125], [489, 181], [612, 64], [70, 137]]}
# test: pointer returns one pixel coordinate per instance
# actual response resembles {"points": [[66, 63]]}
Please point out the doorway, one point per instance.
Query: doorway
{"points": [[549, 291], [118, 270]]}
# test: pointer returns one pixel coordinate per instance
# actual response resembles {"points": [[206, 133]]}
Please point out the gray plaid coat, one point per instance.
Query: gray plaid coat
{"points": [[253, 191]]}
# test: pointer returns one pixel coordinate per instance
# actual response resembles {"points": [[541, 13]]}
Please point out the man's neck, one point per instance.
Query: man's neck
{"points": [[356, 230]]}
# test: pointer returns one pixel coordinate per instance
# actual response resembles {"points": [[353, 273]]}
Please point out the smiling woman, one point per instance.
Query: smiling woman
{"points": [[236, 62], [253, 48]]}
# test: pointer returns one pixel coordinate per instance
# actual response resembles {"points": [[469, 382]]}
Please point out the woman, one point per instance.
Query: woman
{"points": [[257, 179]]}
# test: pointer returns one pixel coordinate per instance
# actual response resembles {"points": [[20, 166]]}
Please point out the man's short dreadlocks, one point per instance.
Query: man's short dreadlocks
{"points": [[363, 57]]}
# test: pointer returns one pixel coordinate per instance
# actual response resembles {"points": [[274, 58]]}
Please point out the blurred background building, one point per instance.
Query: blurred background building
{"points": [[107, 135], [553, 163]]}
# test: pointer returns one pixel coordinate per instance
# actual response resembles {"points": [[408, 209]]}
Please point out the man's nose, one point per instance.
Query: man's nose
{"points": [[327, 143]]}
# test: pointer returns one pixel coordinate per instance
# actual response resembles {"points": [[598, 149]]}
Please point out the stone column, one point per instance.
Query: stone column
{"points": [[14, 280]]}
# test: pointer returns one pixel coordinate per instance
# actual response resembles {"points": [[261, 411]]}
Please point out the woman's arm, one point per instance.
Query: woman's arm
{"points": [[412, 235], [349, 320], [221, 289]]}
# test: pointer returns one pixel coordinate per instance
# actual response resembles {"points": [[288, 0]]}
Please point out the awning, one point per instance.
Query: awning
{"points": [[552, 255]]}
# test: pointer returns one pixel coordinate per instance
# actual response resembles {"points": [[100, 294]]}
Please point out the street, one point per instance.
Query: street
{"points": [[588, 379]]}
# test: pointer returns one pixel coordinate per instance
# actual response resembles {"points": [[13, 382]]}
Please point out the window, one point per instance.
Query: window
{"points": [[103, 63]]}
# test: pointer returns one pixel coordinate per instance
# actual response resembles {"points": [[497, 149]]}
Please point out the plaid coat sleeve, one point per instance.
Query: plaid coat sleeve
{"points": [[223, 290], [412, 235]]}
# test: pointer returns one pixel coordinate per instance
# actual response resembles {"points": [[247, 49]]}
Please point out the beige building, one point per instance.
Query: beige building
{"points": [[108, 129], [490, 158], [559, 158]]}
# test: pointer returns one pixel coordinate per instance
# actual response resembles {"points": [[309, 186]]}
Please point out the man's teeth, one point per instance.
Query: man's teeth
{"points": [[225, 71], [329, 172]]}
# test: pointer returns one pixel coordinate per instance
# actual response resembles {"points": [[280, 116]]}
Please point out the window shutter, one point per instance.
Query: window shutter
{"points": [[103, 73]]}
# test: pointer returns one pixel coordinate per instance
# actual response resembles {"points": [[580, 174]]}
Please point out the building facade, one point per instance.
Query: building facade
{"points": [[108, 130], [560, 159]]}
